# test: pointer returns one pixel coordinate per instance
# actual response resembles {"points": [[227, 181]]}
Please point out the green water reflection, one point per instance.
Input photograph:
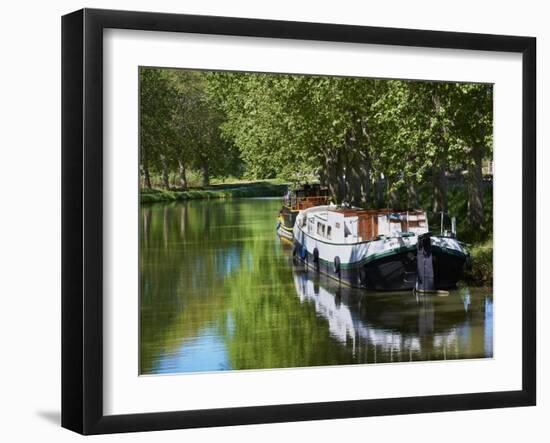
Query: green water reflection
{"points": [[219, 292]]}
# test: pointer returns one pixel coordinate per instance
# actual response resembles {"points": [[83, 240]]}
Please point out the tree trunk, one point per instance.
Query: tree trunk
{"points": [[475, 189], [183, 175], [335, 178], [322, 174], [379, 192], [438, 176], [165, 173], [343, 188], [393, 199], [144, 167], [354, 185], [365, 163], [366, 185], [146, 177], [345, 174], [358, 180], [331, 179], [412, 196], [145, 174], [440, 189], [205, 174]]}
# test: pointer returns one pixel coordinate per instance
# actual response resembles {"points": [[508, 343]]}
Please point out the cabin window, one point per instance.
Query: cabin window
{"points": [[320, 229], [329, 232]]}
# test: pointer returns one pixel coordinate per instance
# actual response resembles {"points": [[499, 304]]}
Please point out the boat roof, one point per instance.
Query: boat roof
{"points": [[352, 211], [311, 190]]}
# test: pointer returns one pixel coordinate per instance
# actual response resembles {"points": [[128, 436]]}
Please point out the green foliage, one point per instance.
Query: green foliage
{"points": [[180, 126], [371, 142], [458, 207], [352, 132], [481, 273]]}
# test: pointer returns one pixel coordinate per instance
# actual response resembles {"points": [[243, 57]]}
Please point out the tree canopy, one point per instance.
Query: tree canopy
{"points": [[372, 142]]}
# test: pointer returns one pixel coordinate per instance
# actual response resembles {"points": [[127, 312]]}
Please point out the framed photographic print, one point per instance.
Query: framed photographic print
{"points": [[269, 221]]}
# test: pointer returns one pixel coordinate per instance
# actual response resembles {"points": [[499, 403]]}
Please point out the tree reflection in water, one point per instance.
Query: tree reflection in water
{"points": [[401, 326]]}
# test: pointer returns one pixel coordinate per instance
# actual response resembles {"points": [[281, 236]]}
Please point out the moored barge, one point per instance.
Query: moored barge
{"points": [[380, 249], [297, 200]]}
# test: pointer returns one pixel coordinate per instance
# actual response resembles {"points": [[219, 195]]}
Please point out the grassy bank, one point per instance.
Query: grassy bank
{"points": [[222, 190], [481, 273]]}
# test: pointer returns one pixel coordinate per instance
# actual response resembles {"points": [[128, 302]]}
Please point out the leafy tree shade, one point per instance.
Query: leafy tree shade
{"points": [[361, 137], [155, 129], [180, 128], [372, 142]]}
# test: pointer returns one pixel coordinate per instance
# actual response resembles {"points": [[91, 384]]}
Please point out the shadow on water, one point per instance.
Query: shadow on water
{"points": [[218, 291]]}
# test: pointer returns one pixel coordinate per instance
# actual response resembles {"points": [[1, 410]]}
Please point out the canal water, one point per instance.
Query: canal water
{"points": [[219, 291]]}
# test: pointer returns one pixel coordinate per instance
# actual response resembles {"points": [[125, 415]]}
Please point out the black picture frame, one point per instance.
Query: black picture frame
{"points": [[82, 218]]}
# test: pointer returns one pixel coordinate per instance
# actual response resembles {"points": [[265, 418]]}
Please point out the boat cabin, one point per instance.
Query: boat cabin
{"points": [[306, 197], [350, 225]]}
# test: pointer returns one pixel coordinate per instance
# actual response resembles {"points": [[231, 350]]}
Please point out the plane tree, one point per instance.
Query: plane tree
{"points": [[155, 118], [369, 141]]}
